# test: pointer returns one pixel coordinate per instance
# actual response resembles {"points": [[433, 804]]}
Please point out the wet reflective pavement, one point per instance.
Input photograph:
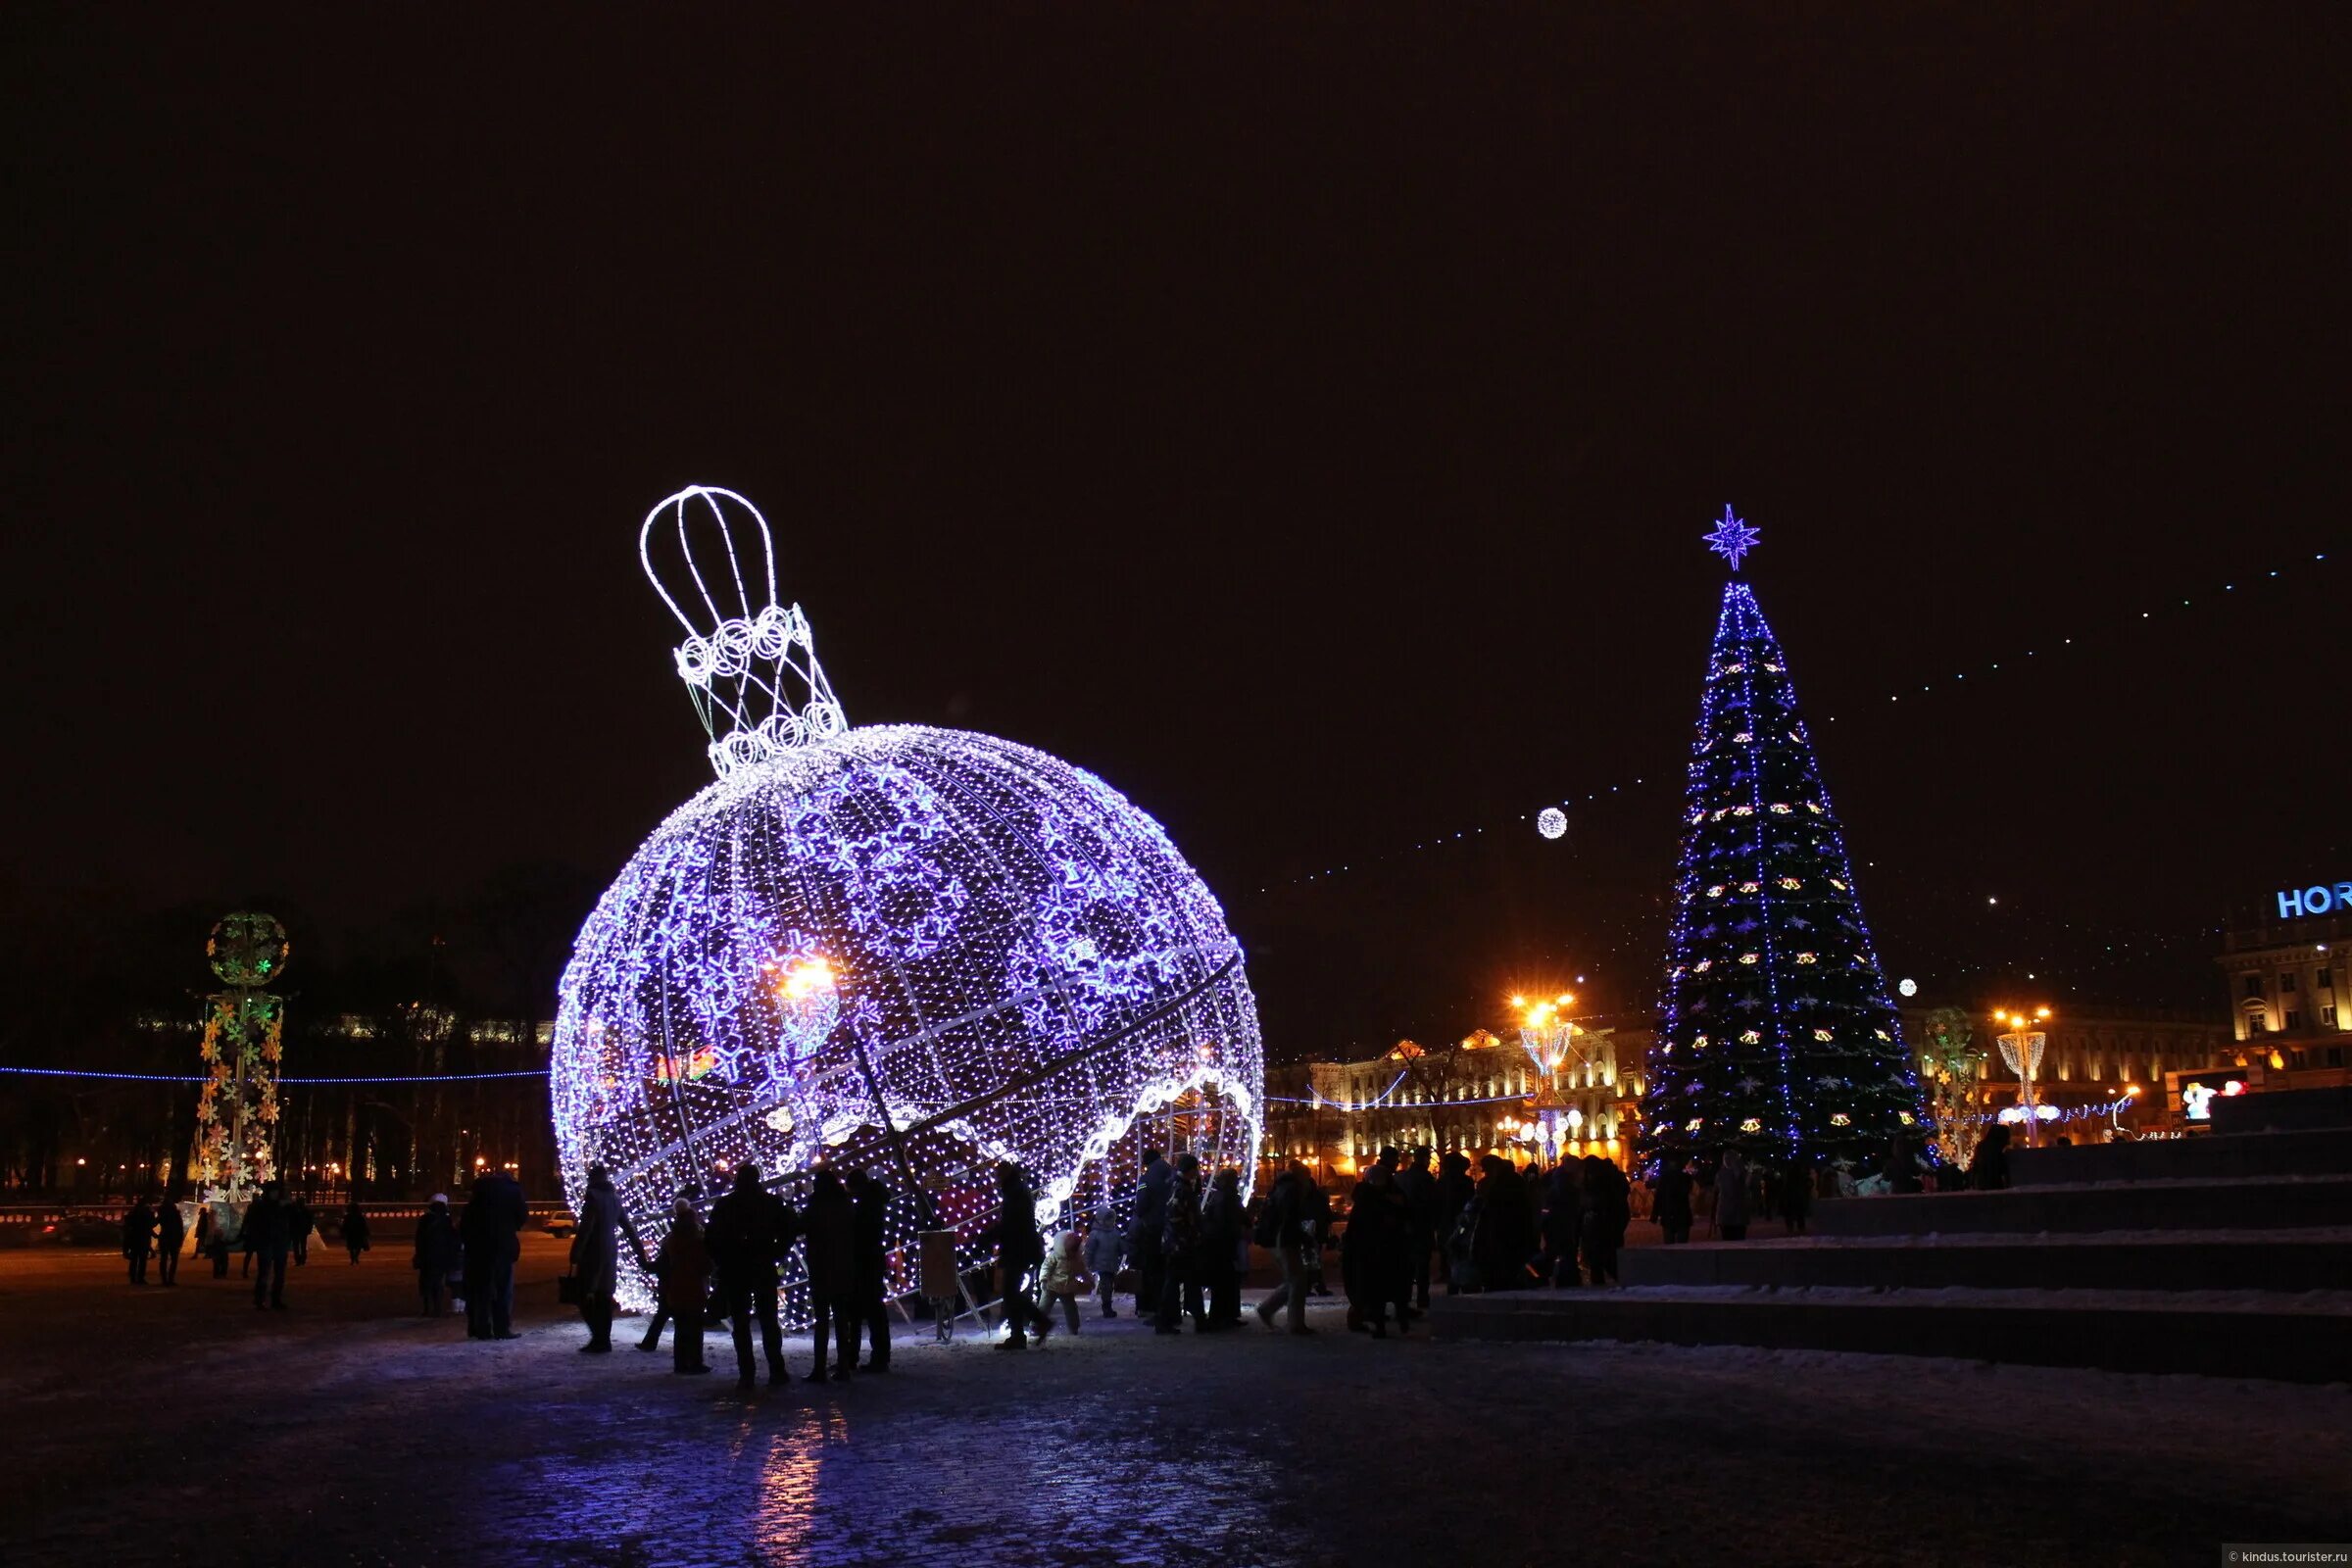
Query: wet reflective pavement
{"points": [[182, 1427]]}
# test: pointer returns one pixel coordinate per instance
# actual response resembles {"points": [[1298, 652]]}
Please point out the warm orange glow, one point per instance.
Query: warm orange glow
{"points": [[806, 979]]}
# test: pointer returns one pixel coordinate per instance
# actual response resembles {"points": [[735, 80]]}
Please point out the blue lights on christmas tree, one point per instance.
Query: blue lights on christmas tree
{"points": [[1777, 1032]]}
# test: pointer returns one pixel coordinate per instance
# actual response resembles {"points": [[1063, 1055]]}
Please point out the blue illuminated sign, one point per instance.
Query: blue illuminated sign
{"points": [[2319, 899]]}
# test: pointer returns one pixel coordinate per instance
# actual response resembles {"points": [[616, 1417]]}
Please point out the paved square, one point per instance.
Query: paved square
{"points": [[182, 1426]]}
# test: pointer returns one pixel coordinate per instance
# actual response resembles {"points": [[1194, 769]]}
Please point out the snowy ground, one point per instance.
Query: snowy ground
{"points": [[183, 1427]]}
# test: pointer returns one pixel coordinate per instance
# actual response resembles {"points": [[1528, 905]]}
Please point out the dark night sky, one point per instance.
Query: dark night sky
{"points": [[1304, 417]]}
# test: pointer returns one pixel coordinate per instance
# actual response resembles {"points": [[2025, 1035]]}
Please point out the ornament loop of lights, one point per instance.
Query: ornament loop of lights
{"points": [[894, 947], [757, 662]]}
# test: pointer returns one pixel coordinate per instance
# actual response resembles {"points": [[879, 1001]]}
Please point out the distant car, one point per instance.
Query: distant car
{"points": [[562, 1222]]}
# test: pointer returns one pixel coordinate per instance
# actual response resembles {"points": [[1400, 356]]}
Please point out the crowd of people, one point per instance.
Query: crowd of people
{"points": [[277, 1230], [1186, 1247]]}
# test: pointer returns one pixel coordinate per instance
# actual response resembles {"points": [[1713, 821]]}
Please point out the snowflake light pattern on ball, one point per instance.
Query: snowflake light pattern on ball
{"points": [[1552, 822], [895, 947]]}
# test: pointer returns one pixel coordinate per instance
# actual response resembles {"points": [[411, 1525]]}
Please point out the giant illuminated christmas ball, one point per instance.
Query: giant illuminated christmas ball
{"points": [[910, 950]]}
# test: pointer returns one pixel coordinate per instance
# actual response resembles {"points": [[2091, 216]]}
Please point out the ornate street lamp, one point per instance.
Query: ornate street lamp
{"points": [[2021, 1050]]}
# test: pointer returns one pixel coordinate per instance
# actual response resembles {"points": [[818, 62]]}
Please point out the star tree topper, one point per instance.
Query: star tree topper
{"points": [[1731, 538]]}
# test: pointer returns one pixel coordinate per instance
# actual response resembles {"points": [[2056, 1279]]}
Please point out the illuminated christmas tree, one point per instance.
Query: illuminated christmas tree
{"points": [[1776, 1028]]}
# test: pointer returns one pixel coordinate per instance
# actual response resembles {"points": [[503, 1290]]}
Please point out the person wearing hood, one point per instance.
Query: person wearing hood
{"points": [[1730, 1198], [596, 1259], [434, 1257], [690, 1194], [683, 1267], [1104, 1249], [871, 1200], [1063, 1278], [830, 1225], [1151, 1192]]}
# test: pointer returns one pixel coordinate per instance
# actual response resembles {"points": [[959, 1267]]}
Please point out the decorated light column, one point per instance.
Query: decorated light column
{"points": [[1549, 1037], [244, 1033], [2022, 1049]]}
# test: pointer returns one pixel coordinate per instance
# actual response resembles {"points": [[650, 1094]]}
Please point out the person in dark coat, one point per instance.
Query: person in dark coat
{"points": [[1988, 1171], [266, 1235], [1291, 1224], [1562, 1223], [1318, 1213], [1670, 1200], [683, 1266], [434, 1257], [1505, 1238], [595, 1257], [1104, 1247], [1901, 1172], [1151, 1191], [300, 1222], [492, 1232], [1372, 1253], [138, 1238], [871, 1200], [829, 1229], [750, 1228], [355, 1230], [1606, 1209], [171, 1234], [1020, 1251], [1420, 1190], [1730, 1198], [1179, 1249], [1454, 1191], [1221, 1252], [691, 1194], [1797, 1193]]}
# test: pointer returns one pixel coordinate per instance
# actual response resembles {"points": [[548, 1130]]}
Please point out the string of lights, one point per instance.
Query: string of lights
{"points": [[181, 1078], [1314, 1097], [1552, 822]]}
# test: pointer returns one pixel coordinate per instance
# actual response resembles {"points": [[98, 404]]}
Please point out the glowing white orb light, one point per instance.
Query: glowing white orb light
{"points": [[1552, 822], [914, 949]]}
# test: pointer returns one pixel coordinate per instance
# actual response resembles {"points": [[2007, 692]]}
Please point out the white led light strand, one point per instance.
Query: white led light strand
{"points": [[916, 949], [1744, 538]]}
